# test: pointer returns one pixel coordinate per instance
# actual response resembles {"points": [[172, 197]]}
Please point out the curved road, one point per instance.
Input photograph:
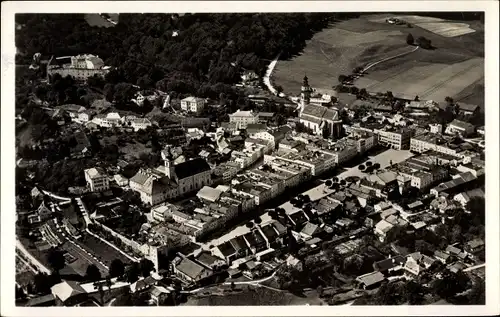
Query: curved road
{"points": [[33, 260], [388, 58], [253, 282], [269, 72]]}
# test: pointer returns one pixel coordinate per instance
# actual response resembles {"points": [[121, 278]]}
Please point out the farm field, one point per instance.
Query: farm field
{"points": [[95, 19], [453, 68]]}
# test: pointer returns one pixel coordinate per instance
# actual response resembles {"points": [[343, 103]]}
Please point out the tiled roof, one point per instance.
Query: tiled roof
{"points": [[66, 290], [190, 268], [371, 278], [190, 168], [389, 263]]}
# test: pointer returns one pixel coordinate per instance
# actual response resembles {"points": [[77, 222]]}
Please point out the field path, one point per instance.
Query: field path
{"points": [[269, 72], [388, 58]]}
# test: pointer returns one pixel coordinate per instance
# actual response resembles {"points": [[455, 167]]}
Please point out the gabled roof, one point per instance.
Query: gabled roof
{"points": [[461, 124], [40, 300], [67, 289], [190, 268], [310, 229], [95, 172], [226, 249], [191, 168], [269, 232], [207, 259], [389, 263], [371, 278]]}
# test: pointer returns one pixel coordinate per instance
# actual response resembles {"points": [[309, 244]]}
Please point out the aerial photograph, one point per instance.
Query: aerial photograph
{"points": [[250, 159]]}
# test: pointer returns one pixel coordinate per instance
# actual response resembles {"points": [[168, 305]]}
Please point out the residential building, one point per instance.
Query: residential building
{"points": [[436, 128], [225, 251], [68, 293], [243, 118], [466, 196], [81, 67], [370, 280], [398, 139], [458, 182], [190, 271], [474, 246], [193, 104], [140, 124], [390, 266], [97, 180], [460, 127]]}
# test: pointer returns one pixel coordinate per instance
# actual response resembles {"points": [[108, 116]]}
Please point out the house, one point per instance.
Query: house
{"points": [[68, 293], [42, 301], [160, 293], [468, 109], [121, 180], [225, 251], [441, 256], [460, 127], [240, 245], [270, 234], [465, 197], [255, 241], [209, 261], [190, 271], [390, 266], [309, 231], [370, 280], [412, 268], [382, 229], [140, 124], [474, 246], [209, 194], [193, 104], [457, 267], [143, 284], [97, 180], [243, 118]]}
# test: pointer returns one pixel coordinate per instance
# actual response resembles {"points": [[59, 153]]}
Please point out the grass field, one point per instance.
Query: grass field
{"points": [[453, 69]]}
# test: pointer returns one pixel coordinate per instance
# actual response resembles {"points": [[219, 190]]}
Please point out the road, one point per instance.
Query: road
{"points": [[253, 282], [472, 268], [32, 259], [367, 67], [85, 213], [269, 72]]}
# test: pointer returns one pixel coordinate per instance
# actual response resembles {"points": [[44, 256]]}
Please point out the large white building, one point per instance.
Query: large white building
{"points": [[170, 181], [460, 127], [243, 118], [398, 139], [320, 119], [193, 104], [96, 179]]}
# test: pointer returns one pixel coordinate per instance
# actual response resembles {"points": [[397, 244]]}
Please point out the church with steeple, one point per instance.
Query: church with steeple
{"points": [[318, 115]]}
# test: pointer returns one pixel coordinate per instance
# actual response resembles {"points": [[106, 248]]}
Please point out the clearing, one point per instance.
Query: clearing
{"points": [[453, 68]]}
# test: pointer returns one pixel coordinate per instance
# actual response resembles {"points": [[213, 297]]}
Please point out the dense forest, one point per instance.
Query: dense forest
{"points": [[201, 54]]}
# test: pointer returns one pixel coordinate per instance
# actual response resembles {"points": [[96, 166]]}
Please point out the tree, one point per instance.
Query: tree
{"points": [[133, 273], [232, 286], [409, 39], [368, 163], [279, 89], [376, 166], [424, 43], [92, 274], [361, 167], [20, 293], [56, 260], [100, 289], [328, 183], [413, 293], [257, 220], [146, 266], [448, 100], [342, 78], [249, 225], [116, 268]]}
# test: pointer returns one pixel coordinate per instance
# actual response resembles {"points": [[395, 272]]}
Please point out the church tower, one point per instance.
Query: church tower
{"points": [[305, 94], [169, 166]]}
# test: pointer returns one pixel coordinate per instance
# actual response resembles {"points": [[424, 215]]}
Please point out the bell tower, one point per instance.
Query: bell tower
{"points": [[305, 93]]}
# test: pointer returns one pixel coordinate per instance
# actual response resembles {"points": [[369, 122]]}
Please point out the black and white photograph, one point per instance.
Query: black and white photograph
{"points": [[191, 157]]}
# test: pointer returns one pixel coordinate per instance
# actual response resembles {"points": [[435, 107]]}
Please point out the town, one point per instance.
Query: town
{"points": [[130, 194]]}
